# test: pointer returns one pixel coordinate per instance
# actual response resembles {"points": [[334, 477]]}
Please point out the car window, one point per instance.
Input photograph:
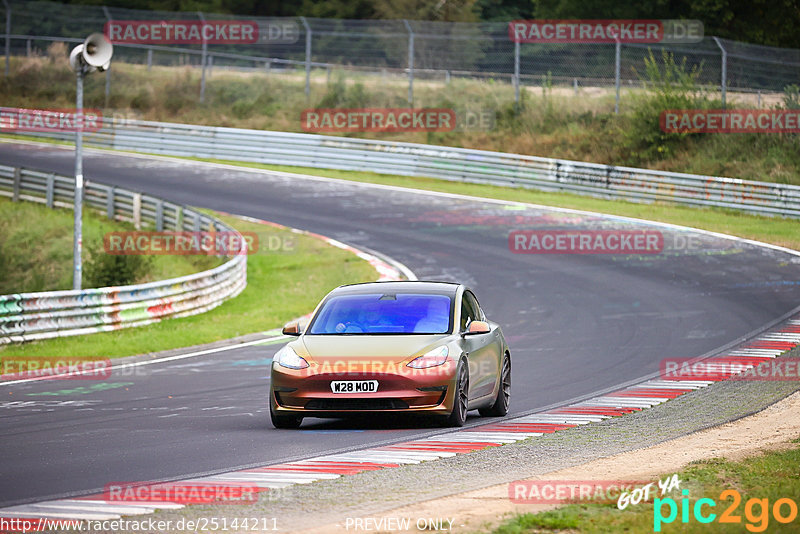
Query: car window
{"points": [[379, 313], [469, 310]]}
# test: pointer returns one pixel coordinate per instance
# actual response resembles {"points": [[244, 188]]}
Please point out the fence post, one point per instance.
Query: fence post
{"points": [[8, 36], [137, 211], [617, 68], [28, 48], [203, 59], [149, 59], [516, 73], [724, 76], [308, 55], [51, 179], [17, 179], [159, 215], [410, 63], [110, 202]]}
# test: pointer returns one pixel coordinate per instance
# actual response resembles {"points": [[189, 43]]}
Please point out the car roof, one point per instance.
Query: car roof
{"points": [[405, 286]]}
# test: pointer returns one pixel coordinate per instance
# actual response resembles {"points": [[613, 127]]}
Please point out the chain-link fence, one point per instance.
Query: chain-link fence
{"points": [[411, 49]]}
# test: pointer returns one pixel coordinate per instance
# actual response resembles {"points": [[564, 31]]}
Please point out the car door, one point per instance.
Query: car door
{"points": [[480, 348]]}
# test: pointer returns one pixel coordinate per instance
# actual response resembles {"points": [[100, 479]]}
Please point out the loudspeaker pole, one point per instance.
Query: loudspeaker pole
{"points": [[94, 54], [77, 236]]}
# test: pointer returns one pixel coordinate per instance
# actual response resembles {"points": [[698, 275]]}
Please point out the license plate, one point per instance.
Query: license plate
{"points": [[354, 386]]}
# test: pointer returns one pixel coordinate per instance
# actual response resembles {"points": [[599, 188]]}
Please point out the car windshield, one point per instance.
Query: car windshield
{"points": [[384, 313]]}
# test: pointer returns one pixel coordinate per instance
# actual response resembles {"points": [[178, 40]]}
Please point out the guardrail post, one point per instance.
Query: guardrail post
{"points": [[51, 179], [8, 36], [17, 179], [196, 221], [137, 211], [516, 73], [308, 55], [724, 75], [159, 215], [410, 63], [110, 194], [617, 68], [179, 216], [203, 59], [149, 59]]}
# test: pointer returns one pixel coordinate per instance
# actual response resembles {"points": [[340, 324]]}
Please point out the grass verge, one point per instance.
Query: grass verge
{"points": [[38, 257], [549, 121], [766, 478], [281, 284]]}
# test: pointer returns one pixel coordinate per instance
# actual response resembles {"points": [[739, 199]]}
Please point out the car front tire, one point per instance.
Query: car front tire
{"points": [[284, 421], [500, 406], [458, 416]]}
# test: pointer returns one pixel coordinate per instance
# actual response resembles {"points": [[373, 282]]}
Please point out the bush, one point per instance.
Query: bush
{"points": [[103, 270], [791, 97], [669, 85]]}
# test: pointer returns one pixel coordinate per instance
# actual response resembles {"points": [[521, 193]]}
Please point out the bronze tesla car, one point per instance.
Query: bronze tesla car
{"points": [[413, 347]]}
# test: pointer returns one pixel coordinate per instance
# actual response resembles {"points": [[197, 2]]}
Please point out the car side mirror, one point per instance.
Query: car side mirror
{"points": [[292, 329], [477, 327]]}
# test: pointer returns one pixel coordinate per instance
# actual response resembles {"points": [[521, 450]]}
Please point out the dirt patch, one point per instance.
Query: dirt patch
{"points": [[483, 509]]}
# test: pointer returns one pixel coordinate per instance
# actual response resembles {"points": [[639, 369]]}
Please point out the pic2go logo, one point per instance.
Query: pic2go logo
{"points": [[756, 511]]}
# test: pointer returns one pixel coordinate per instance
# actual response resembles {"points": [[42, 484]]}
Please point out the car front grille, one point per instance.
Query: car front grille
{"points": [[356, 404]]}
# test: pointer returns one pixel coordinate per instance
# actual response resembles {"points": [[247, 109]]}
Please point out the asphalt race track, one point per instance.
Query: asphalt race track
{"points": [[576, 324]]}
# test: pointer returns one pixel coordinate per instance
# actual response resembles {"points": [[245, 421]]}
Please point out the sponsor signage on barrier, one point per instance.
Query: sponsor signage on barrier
{"points": [[605, 31], [730, 121], [50, 120]]}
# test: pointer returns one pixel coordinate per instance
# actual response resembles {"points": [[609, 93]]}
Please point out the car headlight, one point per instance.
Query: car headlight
{"points": [[432, 358], [287, 357]]}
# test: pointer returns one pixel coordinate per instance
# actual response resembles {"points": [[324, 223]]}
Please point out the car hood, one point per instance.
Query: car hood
{"points": [[382, 348]]}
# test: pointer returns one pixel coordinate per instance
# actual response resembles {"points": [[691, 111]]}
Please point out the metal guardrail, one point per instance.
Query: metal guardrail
{"points": [[456, 164], [50, 314]]}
